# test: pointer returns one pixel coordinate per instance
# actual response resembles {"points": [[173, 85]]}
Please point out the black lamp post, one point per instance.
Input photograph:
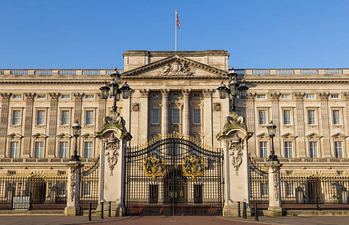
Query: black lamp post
{"points": [[76, 132], [234, 88], [271, 131], [114, 89]]}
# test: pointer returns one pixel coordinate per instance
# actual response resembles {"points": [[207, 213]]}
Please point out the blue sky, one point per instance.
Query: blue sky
{"points": [[75, 34]]}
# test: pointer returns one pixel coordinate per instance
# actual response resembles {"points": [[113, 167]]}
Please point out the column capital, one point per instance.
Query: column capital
{"points": [[78, 96], [274, 96], [186, 92], [144, 93], [251, 96], [53, 96], [165, 92], [345, 95], [324, 95], [207, 93], [5, 96], [29, 96], [299, 95]]}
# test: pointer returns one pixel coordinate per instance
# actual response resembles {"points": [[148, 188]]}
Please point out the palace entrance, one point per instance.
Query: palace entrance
{"points": [[173, 175]]}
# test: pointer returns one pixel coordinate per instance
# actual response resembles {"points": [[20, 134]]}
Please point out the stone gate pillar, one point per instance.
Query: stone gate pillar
{"points": [[233, 140], [73, 189], [112, 164], [274, 208]]}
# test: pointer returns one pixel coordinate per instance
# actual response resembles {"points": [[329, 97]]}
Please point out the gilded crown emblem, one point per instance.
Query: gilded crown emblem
{"points": [[153, 167], [193, 167]]}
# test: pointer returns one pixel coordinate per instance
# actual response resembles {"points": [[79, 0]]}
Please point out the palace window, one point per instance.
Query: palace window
{"points": [[17, 96], [336, 117], [263, 149], [264, 189], [288, 149], [90, 96], [197, 116], [16, 117], [155, 116], [334, 96], [262, 117], [41, 96], [286, 96], [86, 188], [313, 149], [89, 117], [198, 193], [287, 117], [40, 117], [175, 116], [39, 149], [153, 193], [65, 96], [311, 117], [290, 190], [63, 150], [14, 150], [88, 150], [310, 96], [260, 96], [338, 148], [65, 117]]}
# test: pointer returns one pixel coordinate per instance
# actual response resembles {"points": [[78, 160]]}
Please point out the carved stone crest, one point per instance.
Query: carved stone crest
{"points": [[111, 152], [234, 121], [72, 183], [193, 167], [153, 167], [177, 68], [236, 153]]}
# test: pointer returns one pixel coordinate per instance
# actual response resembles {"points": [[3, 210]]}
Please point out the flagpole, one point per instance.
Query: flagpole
{"points": [[176, 31]]}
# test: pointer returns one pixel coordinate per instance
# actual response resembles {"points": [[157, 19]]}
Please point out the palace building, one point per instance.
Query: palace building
{"points": [[172, 93]]}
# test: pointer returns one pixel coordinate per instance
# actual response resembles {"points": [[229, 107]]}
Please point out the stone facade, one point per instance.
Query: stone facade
{"points": [[175, 91]]}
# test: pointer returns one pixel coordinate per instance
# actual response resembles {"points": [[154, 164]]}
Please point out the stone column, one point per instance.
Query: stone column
{"points": [[78, 106], [300, 126], [186, 112], [144, 111], [101, 110], [28, 123], [73, 189], [164, 111], [274, 208], [325, 122], [208, 132], [346, 122], [276, 120], [52, 125], [5, 100], [250, 120], [126, 111]]}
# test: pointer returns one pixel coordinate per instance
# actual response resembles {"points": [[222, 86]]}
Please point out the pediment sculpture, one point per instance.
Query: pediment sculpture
{"points": [[177, 68], [236, 152]]}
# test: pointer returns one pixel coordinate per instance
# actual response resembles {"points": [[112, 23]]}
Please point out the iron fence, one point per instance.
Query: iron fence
{"points": [[19, 191], [89, 186], [259, 189]]}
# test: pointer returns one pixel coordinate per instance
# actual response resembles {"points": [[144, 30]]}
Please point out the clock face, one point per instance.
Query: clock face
{"points": [[107, 119]]}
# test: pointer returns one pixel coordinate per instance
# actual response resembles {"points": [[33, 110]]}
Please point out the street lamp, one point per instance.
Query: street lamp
{"points": [[271, 131], [114, 89], [76, 132], [234, 88]]}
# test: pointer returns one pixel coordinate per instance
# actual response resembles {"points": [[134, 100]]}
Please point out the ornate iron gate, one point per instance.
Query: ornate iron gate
{"points": [[173, 175]]}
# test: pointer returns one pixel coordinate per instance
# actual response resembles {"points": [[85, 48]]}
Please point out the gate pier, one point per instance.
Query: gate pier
{"points": [[233, 140], [114, 138]]}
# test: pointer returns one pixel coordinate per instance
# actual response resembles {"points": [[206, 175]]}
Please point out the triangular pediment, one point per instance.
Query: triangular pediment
{"points": [[338, 136], [14, 135], [175, 67], [64, 136], [39, 136]]}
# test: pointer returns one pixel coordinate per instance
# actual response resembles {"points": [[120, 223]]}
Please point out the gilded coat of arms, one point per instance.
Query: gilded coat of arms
{"points": [[193, 167], [153, 167]]}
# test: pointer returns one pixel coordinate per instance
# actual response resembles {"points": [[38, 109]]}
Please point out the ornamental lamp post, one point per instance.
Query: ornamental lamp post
{"points": [[76, 132], [114, 89], [234, 88], [271, 131]]}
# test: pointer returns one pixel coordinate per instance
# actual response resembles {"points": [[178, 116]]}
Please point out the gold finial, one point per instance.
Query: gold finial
{"points": [[242, 80], [271, 121], [232, 67], [115, 68]]}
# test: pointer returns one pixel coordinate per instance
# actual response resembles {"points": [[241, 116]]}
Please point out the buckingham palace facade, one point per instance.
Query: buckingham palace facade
{"points": [[175, 92]]}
